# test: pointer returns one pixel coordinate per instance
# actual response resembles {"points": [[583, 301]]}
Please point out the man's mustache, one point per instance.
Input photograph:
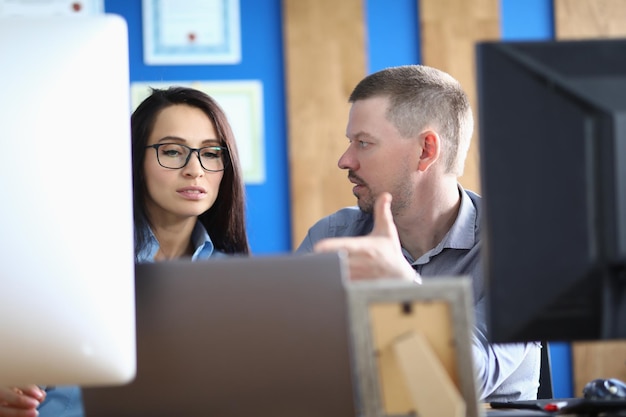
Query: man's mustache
{"points": [[355, 178]]}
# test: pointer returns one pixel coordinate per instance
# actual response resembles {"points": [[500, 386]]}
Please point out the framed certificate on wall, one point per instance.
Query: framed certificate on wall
{"points": [[191, 32], [10, 8]]}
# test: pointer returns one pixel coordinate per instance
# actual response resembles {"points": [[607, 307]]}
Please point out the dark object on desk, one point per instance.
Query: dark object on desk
{"points": [[538, 404], [568, 406], [605, 389], [583, 406]]}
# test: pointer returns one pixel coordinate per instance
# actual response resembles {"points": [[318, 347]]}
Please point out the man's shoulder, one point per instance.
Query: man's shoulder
{"points": [[348, 221]]}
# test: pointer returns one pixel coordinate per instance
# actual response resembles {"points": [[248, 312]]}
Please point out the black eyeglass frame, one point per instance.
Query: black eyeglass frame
{"points": [[224, 149]]}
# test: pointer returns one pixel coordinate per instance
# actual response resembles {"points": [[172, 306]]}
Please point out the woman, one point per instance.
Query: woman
{"points": [[188, 198], [187, 180]]}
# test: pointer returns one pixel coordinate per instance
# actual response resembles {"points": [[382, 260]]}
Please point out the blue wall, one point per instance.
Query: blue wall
{"points": [[393, 39], [393, 33]]}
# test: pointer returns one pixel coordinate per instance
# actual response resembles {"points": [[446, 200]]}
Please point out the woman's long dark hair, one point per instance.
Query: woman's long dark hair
{"points": [[225, 221]]}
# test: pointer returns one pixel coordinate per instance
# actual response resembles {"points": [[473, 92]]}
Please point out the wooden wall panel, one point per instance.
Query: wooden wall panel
{"points": [[588, 19], [593, 360], [449, 32], [579, 19], [324, 46]]}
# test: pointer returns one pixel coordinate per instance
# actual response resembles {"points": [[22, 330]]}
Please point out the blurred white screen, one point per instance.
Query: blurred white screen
{"points": [[66, 231]]}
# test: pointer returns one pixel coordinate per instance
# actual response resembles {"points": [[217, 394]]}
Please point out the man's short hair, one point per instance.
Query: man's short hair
{"points": [[424, 97]]}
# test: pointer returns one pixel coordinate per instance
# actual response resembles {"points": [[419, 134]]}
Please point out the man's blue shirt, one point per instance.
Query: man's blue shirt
{"points": [[504, 372]]}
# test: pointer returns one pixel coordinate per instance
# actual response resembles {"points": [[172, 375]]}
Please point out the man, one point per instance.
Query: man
{"points": [[409, 131]]}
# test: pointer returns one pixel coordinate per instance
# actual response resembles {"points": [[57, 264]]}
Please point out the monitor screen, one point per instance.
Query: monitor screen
{"points": [[66, 228], [552, 119]]}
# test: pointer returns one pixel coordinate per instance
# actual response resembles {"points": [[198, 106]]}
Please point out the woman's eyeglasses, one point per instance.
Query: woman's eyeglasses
{"points": [[176, 156]]}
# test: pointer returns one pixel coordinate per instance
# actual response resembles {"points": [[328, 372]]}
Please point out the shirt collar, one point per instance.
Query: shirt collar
{"points": [[202, 242], [460, 236], [203, 246]]}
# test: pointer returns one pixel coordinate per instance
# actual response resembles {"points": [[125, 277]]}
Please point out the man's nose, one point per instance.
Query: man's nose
{"points": [[347, 160]]}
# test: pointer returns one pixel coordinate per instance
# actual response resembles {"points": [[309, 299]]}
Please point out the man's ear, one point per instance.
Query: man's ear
{"points": [[430, 149]]}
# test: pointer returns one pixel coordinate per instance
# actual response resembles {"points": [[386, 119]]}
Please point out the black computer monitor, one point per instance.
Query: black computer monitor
{"points": [[552, 120]]}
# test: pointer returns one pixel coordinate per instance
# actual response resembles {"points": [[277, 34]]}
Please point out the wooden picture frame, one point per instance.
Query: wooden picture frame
{"points": [[412, 347]]}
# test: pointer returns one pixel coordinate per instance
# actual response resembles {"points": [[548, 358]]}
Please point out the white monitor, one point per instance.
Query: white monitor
{"points": [[66, 227]]}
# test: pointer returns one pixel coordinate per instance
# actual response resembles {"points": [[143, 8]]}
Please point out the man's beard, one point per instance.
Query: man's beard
{"points": [[401, 197], [366, 204]]}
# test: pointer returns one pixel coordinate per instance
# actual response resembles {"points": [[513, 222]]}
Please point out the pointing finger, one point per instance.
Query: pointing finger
{"points": [[383, 219]]}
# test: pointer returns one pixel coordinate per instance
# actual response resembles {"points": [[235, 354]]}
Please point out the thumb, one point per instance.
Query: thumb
{"points": [[383, 220]]}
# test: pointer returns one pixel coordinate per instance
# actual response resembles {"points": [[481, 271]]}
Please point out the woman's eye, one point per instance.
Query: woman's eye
{"points": [[210, 155], [171, 152]]}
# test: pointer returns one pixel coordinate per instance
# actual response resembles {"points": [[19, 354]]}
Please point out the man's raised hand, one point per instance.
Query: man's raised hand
{"points": [[377, 255]]}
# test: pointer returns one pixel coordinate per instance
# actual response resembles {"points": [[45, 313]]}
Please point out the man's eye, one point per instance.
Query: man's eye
{"points": [[362, 144]]}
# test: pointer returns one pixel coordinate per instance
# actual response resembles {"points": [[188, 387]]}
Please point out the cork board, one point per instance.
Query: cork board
{"points": [[593, 19], [324, 47]]}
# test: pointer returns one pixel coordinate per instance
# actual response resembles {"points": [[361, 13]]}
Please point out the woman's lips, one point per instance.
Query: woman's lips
{"points": [[192, 193]]}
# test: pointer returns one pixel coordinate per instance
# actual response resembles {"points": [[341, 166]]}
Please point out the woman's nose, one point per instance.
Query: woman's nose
{"points": [[193, 167]]}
